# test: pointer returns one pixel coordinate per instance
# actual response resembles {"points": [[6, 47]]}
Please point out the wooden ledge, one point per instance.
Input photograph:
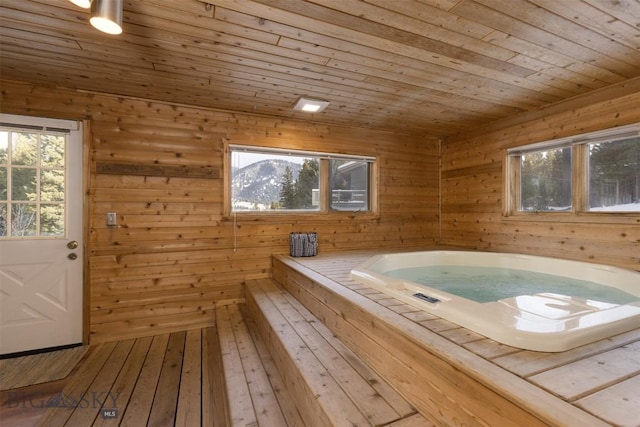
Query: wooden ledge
{"points": [[326, 380]]}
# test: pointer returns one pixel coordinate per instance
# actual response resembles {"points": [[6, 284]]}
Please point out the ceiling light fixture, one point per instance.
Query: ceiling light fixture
{"points": [[106, 16], [85, 4], [310, 105]]}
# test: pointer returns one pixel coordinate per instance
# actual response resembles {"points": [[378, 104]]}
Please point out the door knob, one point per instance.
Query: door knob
{"points": [[72, 244], [72, 256]]}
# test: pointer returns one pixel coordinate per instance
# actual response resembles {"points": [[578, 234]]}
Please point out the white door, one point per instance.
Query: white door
{"points": [[40, 233]]}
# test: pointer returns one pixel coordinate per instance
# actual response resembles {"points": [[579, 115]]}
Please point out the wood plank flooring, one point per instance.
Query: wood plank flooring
{"points": [[23, 371], [245, 377], [169, 379], [226, 375]]}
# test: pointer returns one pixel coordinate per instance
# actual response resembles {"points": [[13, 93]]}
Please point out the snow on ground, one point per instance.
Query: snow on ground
{"points": [[628, 207]]}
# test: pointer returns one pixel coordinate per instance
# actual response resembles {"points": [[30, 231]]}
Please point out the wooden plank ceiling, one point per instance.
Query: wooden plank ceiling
{"points": [[411, 66]]}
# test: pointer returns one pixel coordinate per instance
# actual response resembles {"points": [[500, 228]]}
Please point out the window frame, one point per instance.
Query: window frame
{"points": [[579, 174], [71, 131], [324, 209]]}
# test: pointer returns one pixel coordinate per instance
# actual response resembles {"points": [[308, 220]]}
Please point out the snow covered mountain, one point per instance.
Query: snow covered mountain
{"points": [[260, 182]]}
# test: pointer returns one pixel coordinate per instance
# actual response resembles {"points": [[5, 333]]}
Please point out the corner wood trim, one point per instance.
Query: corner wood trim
{"points": [[204, 172]]}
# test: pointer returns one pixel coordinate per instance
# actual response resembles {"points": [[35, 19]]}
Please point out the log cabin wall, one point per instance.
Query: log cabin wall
{"points": [[473, 185], [174, 255]]}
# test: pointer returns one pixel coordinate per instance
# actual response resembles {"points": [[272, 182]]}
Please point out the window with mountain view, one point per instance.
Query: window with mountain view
{"points": [[279, 181], [598, 172]]}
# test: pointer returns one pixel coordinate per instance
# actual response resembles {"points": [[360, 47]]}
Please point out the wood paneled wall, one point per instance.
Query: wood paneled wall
{"points": [[473, 182], [174, 255]]}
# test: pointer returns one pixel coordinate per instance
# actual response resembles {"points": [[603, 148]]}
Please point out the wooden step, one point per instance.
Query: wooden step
{"points": [[250, 396], [327, 382], [450, 383], [219, 376]]}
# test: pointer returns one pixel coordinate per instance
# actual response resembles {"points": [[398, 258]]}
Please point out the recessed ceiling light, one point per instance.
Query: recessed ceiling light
{"points": [[310, 105]]}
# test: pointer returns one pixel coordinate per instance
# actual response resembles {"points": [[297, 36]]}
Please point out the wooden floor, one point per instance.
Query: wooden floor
{"points": [[23, 371], [602, 378], [219, 376], [161, 380]]}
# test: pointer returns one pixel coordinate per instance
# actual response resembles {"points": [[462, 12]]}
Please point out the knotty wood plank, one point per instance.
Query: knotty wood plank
{"points": [[241, 408], [404, 309], [189, 408], [617, 404], [370, 33], [163, 410], [99, 392], [416, 316], [153, 170], [16, 370], [505, 23], [604, 370], [287, 404], [407, 22], [25, 407], [369, 402], [319, 397], [61, 362], [527, 363], [461, 335], [139, 406], [379, 384], [58, 416], [490, 349], [158, 325], [438, 325], [359, 388], [38, 368], [265, 404], [125, 382], [215, 411], [416, 420], [12, 371]]}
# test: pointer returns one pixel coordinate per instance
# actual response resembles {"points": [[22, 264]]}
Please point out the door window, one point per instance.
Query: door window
{"points": [[32, 183]]}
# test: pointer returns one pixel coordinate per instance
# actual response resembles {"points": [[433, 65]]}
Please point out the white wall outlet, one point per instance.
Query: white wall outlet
{"points": [[112, 219]]}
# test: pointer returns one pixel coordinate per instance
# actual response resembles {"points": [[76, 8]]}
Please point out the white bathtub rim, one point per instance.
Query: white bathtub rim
{"points": [[502, 321], [627, 280]]}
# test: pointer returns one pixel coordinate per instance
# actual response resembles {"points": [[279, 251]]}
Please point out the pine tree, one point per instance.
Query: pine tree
{"points": [[614, 172], [288, 190], [24, 184], [307, 181], [34, 191]]}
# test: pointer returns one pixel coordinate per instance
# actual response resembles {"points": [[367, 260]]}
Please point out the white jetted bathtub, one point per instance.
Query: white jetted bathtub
{"points": [[530, 302]]}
